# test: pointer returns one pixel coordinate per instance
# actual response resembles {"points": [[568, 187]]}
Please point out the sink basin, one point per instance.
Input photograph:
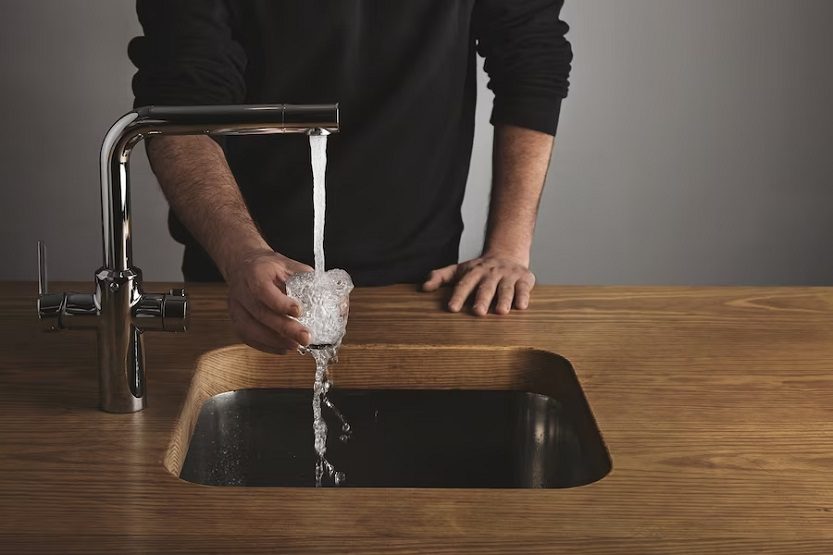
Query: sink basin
{"points": [[421, 417]]}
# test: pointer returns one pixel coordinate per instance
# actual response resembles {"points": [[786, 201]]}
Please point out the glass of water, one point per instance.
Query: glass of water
{"points": [[325, 304]]}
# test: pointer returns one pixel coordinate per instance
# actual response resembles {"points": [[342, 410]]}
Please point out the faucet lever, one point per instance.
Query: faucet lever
{"points": [[50, 305], [42, 284]]}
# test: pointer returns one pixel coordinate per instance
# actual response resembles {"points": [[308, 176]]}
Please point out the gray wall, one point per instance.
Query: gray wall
{"points": [[694, 147]]}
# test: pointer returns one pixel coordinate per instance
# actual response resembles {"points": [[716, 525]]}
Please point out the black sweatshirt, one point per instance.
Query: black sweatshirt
{"points": [[403, 72]]}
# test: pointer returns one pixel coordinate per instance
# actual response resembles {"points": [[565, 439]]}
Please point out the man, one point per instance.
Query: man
{"points": [[404, 75]]}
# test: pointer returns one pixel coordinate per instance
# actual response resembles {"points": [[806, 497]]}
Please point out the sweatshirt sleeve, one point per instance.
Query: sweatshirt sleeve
{"points": [[527, 59], [188, 54]]}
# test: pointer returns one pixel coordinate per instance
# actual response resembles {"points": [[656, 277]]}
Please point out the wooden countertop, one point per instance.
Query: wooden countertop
{"points": [[716, 405]]}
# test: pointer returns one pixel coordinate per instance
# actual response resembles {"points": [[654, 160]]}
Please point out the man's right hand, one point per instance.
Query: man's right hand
{"points": [[258, 305]]}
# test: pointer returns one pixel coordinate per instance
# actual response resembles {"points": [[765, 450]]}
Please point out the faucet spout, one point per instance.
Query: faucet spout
{"points": [[127, 131]]}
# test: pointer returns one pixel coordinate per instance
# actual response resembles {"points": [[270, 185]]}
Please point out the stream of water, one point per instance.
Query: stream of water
{"points": [[324, 355], [318, 157]]}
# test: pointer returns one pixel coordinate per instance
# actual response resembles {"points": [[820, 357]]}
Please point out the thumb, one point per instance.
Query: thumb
{"points": [[296, 267], [439, 277]]}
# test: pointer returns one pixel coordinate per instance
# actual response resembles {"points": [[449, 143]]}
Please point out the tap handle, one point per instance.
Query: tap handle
{"points": [[176, 311], [50, 305], [42, 283]]}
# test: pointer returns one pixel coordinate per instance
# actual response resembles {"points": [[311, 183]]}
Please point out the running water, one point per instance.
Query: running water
{"points": [[324, 298], [322, 358], [318, 156]]}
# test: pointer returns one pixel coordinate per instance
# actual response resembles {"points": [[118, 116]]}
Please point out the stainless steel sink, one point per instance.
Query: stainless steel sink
{"points": [[400, 438], [527, 427]]}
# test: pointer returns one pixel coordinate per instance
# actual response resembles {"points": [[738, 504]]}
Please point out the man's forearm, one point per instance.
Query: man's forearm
{"points": [[520, 159], [196, 179], [201, 189]]}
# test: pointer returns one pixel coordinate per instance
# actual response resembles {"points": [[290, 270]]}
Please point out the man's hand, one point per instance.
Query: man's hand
{"points": [[258, 305], [501, 274], [502, 279]]}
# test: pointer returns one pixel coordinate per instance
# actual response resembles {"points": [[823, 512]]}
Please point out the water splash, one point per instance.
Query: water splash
{"points": [[323, 357]]}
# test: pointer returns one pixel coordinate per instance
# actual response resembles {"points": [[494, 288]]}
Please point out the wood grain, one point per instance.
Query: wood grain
{"points": [[716, 405]]}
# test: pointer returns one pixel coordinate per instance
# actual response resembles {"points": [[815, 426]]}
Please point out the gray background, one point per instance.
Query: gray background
{"points": [[694, 147]]}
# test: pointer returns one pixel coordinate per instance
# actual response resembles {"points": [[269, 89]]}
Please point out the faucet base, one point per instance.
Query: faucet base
{"points": [[120, 345]]}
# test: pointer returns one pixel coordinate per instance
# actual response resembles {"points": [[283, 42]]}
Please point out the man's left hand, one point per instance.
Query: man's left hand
{"points": [[491, 278]]}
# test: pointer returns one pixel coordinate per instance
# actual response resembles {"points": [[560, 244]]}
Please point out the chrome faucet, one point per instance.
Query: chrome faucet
{"points": [[119, 310]]}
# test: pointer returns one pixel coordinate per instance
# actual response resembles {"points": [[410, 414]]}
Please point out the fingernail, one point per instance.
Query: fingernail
{"points": [[295, 311], [305, 338]]}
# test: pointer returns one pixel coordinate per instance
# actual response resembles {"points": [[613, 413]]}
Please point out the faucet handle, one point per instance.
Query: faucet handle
{"points": [[42, 284], [162, 312], [175, 311], [50, 305]]}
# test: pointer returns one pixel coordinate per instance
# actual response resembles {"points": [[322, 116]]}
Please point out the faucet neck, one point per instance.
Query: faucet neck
{"points": [[134, 126]]}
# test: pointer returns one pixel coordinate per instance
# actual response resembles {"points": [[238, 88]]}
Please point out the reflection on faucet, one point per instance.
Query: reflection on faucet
{"points": [[119, 310]]}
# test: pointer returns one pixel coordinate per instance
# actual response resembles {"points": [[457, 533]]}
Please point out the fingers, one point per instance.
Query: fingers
{"points": [[505, 287], [485, 294], [523, 289], [261, 311], [255, 334], [439, 277], [276, 300], [464, 288], [298, 267], [502, 282], [278, 323], [269, 306], [505, 295]]}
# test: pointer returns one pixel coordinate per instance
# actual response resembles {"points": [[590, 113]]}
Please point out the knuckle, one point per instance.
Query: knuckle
{"points": [[292, 328], [280, 302], [276, 302], [282, 325]]}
